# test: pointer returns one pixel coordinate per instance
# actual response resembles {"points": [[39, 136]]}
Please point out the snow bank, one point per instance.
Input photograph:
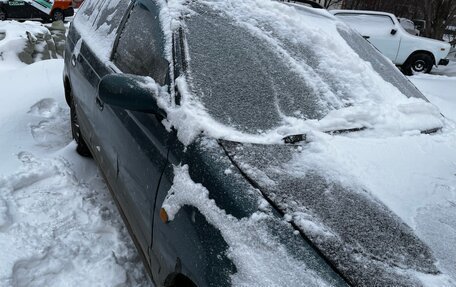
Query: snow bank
{"points": [[24, 43], [440, 90], [58, 223]]}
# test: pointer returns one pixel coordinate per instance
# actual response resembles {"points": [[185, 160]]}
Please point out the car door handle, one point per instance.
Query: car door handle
{"points": [[99, 103], [73, 60], [366, 37]]}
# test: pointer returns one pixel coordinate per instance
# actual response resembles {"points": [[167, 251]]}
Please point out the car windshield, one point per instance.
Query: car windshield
{"points": [[254, 74]]}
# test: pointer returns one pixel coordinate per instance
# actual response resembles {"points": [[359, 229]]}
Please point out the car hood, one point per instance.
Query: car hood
{"points": [[434, 42], [356, 232]]}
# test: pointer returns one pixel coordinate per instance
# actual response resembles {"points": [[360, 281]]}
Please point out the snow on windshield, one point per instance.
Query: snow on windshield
{"points": [[283, 70]]}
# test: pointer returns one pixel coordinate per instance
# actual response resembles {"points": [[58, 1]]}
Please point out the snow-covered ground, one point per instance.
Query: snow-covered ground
{"points": [[440, 88], [60, 227], [58, 223]]}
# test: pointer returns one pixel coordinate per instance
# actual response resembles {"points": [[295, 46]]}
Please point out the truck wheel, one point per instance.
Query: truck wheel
{"points": [[418, 64], [82, 148], [2, 16], [57, 15]]}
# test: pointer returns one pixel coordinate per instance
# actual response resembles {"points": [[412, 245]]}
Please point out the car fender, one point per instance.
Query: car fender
{"points": [[411, 44]]}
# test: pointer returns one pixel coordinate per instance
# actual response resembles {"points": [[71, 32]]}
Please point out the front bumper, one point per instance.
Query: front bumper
{"points": [[444, 62]]}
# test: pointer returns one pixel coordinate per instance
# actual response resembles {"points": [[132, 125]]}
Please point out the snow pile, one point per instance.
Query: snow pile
{"points": [[449, 70], [351, 94], [61, 235], [24, 43], [260, 261], [58, 223], [440, 90]]}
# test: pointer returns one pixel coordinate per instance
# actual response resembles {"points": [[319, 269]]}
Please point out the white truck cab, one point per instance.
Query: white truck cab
{"points": [[383, 30]]}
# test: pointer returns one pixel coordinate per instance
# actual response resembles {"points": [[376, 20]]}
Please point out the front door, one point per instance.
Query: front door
{"points": [[133, 145]]}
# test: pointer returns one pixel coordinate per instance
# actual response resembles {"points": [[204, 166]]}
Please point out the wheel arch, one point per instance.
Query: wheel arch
{"points": [[67, 88], [178, 280], [422, 52], [55, 10]]}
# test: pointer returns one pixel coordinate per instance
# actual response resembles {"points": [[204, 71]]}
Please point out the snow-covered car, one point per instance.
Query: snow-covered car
{"points": [[30, 9], [213, 121], [383, 30]]}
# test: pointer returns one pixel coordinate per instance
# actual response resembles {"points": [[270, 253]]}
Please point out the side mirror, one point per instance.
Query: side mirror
{"points": [[129, 92], [393, 31]]}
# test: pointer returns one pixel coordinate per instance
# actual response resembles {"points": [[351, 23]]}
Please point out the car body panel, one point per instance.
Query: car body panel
{"points": [[336, 211]]}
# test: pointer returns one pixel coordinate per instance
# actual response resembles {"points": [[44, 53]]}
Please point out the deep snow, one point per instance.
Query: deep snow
{"points": [[58, 223]]}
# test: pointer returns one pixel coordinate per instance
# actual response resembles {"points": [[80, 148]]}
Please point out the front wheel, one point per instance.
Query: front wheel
{"points": [[58, 15], [82, 148], [418, 64]]}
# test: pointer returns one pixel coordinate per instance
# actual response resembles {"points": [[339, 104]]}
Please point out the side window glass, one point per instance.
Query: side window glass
{"points": [[111, 15], [140, 48], [367, 21], [99, 20]]}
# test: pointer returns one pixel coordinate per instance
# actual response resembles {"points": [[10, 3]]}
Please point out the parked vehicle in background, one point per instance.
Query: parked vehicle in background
{"points": [[46, 10], [77, 3], [412, 53], [409, 26]]}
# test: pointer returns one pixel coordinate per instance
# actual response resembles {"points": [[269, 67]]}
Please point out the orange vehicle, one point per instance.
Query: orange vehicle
{"points": [[44, 9], [77, 3]]}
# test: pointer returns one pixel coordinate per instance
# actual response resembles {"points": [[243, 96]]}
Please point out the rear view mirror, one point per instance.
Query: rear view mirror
{"points": [[128, 92]]}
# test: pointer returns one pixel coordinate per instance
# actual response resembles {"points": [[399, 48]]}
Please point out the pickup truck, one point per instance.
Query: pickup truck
{"points": [[29, 9], [383, 30]]}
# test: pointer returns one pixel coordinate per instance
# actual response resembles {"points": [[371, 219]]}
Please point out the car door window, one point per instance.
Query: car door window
{"points": [[367, 22], [140, 47], [98, 20]]}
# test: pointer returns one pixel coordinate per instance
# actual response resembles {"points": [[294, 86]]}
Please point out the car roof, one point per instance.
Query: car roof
{"points": [[308, 2], [337, 11]]}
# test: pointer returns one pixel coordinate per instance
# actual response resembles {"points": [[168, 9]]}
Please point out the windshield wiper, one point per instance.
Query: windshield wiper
{"points": [[344, 131], [431, 131], [292, 139]]}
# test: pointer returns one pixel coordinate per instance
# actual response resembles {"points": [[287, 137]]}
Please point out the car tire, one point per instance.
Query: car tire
{"points": [[418, 64], [82, 148], [2, 16], [58, 15]]}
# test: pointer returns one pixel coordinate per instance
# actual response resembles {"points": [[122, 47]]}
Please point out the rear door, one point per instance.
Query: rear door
{"points": [[377, 30]]}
